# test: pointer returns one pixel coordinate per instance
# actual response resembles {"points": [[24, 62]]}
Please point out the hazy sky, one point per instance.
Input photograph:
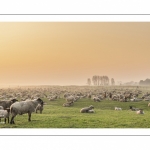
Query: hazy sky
{"points": [[67, 53]]}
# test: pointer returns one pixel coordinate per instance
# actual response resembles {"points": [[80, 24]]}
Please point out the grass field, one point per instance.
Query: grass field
{"points": [[56, 116]]}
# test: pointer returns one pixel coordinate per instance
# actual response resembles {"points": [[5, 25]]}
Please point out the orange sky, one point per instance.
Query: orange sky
{"points": [[67, 53]]}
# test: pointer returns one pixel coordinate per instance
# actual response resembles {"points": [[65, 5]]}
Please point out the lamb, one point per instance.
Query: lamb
{"points": [[5, 114], [87, 109], [7, 103], [140, 111], [68, 104], [39, 107], [117, 108], [23, 107]]}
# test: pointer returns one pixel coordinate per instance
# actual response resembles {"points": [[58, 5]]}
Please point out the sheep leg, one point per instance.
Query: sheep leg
{"points": [[12, 120], [29, 116], [5, 120], [8, 119]]}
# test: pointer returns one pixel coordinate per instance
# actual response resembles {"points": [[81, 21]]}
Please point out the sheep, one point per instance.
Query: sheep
{"points": [[68, 104], [91, 111], [96, 99], [133, 108], [148, 104], [1, 108], [7, 103], [5, 114], [23, 107], [70, 98], [117, 108], [133, 99], [39, 107], [87, 109], [140, 111]]}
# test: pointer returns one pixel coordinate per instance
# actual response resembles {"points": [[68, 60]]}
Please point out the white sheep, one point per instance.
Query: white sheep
{"points": [[148, 104], [87, 109], [140, 111], [96, 99], [5, 114], [91, 111], [1, 108], [117, 108], [70, 98], [68, 104], [23, 107]]}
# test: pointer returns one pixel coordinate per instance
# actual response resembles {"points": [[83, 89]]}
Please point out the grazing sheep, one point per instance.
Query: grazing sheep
{"points": [[5, 114], [148, 104], [140, 111], [87, 109], [117, 108], [39, 107], [68, 104], [23, 107], [7, 103]]}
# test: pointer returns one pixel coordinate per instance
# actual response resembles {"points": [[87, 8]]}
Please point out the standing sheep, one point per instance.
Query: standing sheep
{"points": [[87, 109], [5, 114], [7, 103], [24, 107]]}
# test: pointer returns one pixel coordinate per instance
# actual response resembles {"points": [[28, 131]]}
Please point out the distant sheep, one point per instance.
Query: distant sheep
{"points": [[133, 108], [24, 107], [148, 104], [7, 103], [117, 108], [5, 114], [96, 99], [140, 111], [40, 108], [68, 104], [70, 98], [1, 108], [87, 109]]}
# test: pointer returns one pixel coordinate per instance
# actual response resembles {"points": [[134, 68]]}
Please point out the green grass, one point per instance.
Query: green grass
{"points": [[56, 116]]}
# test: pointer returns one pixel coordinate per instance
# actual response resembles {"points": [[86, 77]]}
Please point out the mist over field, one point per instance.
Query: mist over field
{"points": [[68, 53]]}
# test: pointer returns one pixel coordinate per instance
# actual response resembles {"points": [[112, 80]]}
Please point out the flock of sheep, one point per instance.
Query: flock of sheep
{"points": [[19, 101]]}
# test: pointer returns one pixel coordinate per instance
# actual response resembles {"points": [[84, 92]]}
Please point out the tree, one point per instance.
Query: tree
{"points": [[89, 81], [112, 81]]}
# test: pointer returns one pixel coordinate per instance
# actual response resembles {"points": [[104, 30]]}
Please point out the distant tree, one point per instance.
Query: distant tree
{"points": [[95, 80], [112, 81], [146, 82], [89, 81]]}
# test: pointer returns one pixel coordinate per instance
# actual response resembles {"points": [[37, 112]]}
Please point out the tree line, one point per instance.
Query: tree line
{"points": [[100, 80], [145, 82]]}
